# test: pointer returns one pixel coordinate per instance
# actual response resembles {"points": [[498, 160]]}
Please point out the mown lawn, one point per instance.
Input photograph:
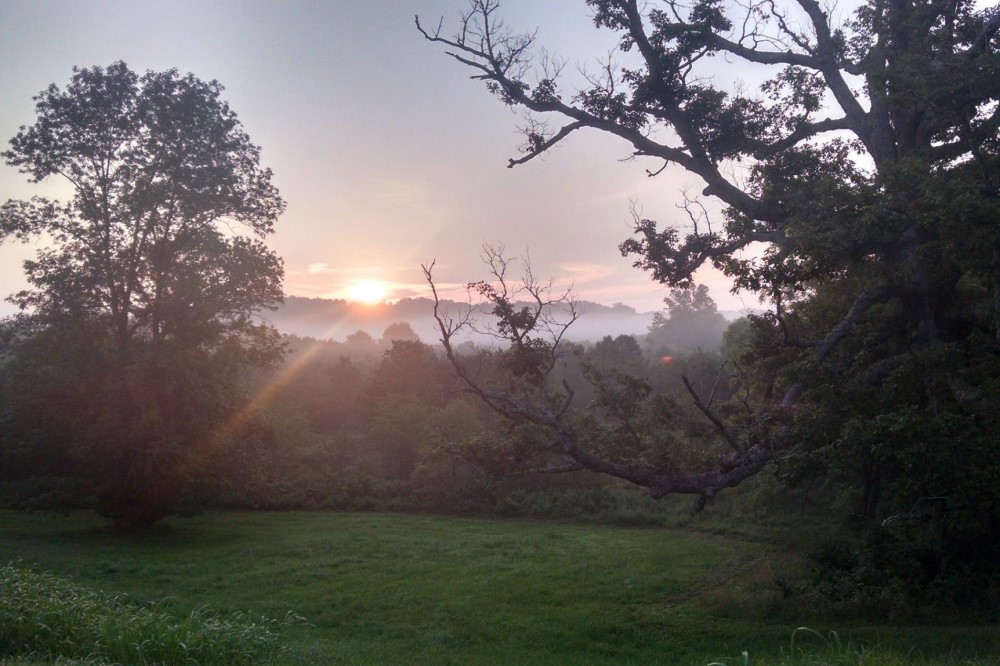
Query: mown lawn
{"points": [[403, 589]]}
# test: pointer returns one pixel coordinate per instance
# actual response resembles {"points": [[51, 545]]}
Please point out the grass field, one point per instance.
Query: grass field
{"points": [[404, 589]]}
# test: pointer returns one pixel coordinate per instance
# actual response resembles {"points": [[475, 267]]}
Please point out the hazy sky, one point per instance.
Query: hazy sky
{"points": [[386, 152]]}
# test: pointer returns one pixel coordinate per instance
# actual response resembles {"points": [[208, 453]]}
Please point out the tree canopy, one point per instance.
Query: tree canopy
{"points": [[857, 190], [141, 308], [692, 321]]}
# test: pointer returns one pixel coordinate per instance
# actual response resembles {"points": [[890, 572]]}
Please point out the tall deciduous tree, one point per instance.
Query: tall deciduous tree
{"points": [[866, 167], [692, 321], [141, 309]]}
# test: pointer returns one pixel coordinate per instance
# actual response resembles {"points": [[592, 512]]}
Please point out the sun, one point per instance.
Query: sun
{"points": [[367, 291]]}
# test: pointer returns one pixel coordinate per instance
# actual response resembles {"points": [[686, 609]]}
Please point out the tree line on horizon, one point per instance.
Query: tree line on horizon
{"points": [[335, 319]]}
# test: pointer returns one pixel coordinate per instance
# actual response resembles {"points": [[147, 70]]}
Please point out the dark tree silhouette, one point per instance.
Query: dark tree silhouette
{"points": [[141, 309], [399, 330], [866, 167], [692, 322]]}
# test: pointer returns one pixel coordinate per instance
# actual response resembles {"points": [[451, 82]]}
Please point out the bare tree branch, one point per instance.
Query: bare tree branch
{"points": [[716, 421], [535, 407]]}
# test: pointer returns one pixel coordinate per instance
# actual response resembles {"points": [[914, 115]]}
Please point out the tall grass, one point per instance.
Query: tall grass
{"points": [[58, 661], [809, 647], [46, 617]]}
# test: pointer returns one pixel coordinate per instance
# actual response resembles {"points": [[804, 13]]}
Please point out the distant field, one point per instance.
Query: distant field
{"points": [[402, 589]]}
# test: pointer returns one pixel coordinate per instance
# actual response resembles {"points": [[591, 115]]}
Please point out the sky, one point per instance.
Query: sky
{"points": [[385, 151]]}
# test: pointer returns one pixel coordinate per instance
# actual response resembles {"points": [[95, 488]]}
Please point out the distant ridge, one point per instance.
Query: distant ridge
{"points": [[335, 319]]}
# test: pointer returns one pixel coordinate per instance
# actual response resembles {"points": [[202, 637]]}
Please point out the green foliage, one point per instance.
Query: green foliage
{"points": [[809, 647], [44, 616], [340, 430], [121, 375], [692, 322], [411, 368]]}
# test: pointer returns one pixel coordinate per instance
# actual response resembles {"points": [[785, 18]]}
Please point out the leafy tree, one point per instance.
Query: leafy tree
{"points": [[412, 368], [692, 322], [621, 353], [362, 346], [328, 388], [140, 316], [399, 330], [736, 339], [399, 434], [866, 167]]}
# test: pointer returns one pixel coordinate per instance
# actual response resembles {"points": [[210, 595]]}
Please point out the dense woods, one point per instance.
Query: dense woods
{"points": [[382, 423]]}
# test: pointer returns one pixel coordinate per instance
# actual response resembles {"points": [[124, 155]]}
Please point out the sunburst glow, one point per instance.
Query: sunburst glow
{"points": [[367, 291]]}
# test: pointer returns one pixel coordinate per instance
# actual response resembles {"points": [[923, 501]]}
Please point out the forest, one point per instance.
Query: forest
{"points": [[830, 458]]}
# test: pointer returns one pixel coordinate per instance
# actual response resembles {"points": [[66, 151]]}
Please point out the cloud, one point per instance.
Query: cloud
{"points": [[316, 269], [581, 273]]}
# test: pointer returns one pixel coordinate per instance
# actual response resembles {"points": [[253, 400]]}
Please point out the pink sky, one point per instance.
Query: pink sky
{"points": [[387, 154]]}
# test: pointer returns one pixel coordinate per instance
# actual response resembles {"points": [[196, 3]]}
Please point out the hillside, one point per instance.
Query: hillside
{"points": [[336, 319]]}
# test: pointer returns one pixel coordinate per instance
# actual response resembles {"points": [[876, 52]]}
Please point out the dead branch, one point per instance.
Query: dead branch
{"points": [[524, 401], [711, 416]]}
